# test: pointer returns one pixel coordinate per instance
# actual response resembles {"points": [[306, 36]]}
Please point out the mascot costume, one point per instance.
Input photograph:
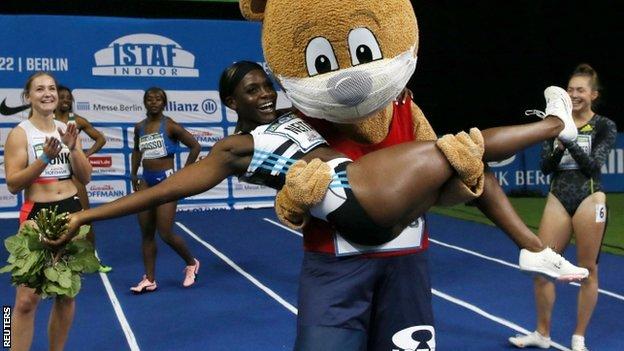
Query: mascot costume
{"points": [[343, 63]]}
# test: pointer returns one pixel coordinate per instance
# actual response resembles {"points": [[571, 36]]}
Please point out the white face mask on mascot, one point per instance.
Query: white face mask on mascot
{"points": [[354, 93]]}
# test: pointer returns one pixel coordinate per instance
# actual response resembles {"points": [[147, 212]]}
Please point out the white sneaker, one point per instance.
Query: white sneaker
{"points": [[578, 343], [534, 339], [559, 104], [551, 264]]}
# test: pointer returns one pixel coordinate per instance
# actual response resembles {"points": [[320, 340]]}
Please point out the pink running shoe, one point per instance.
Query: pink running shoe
{"points": [[190, 274], [144, 286]]}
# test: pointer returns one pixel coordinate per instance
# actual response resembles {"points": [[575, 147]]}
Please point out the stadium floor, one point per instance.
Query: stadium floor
{"points": [[245, 297]]}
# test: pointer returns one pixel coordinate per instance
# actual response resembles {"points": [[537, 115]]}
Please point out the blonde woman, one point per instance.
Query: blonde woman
{"points": [[576, 204], [41, 156]]}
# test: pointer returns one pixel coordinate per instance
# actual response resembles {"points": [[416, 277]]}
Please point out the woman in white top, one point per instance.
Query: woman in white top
{"points": [[40, 157]]}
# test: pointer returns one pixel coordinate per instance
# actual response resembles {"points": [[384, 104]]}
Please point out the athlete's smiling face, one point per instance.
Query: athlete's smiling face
{"points": [[65, 100], [42, 95], [254, 99], [581, 93], [154, 103]]}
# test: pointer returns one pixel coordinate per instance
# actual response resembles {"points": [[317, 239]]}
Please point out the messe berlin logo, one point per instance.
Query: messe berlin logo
{"points": [[144, 55]]}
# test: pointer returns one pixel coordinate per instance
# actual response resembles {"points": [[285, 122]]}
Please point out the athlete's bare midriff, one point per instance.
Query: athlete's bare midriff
{"points": [[49, 192]]}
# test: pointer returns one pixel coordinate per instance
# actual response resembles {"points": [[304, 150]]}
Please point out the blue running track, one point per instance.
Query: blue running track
{"points": [[246, 294]]}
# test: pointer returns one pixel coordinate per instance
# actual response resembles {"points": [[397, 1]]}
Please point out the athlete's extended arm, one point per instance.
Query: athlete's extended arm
{"points": [[193, 179]]}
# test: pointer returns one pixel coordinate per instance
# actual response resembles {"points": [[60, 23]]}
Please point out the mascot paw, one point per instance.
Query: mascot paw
{"points": [[306, 185], [465, 154]]}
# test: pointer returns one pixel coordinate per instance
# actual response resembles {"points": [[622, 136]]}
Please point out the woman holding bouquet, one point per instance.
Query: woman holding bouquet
{"points": [[41, 156]]}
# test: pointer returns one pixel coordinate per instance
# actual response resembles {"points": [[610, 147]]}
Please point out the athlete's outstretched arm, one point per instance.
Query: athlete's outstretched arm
{"points": [[226, 158]]}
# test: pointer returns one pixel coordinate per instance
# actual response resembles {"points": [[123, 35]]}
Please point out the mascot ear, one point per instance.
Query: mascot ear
{"points": [[253, 10]]}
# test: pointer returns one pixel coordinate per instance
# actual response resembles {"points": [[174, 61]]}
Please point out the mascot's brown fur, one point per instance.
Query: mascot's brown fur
{"points": [[288, 28]]}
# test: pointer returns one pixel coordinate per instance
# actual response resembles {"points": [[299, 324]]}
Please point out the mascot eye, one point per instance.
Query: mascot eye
{"points": [[363, 46], [320, 57]]}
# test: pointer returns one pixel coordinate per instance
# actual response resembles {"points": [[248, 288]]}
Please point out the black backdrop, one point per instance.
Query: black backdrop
{"points": [[481, 63]]}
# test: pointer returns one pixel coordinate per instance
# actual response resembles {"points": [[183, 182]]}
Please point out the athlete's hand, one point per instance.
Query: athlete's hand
{"points": [[306, 185], [51, 147], [69, 136], [73, 228], [136, 183]]}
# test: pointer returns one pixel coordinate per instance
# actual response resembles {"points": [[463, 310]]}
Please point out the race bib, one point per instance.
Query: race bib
{"points": [[410, 238], [152, 146], [297, 130], [567, 161], [58, 167]]}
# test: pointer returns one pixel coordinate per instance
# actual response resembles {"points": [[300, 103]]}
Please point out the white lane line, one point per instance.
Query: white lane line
{"points": [[490, 316], [125, 326], [458, 248], [505, 263], [283, 226], [237, 268]]}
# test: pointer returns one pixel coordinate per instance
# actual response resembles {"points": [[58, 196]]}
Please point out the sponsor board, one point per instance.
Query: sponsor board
{"points": [[130, 139], [12, 108], [144, 55], [220, 191], [202, 207], [112, 135], [614, 163], [243, 190], [6, 198], [108, 164], [107, 105], [103, 191], [4, 133], [206, 137], [252, 204], [127, 105], [193, 106]]}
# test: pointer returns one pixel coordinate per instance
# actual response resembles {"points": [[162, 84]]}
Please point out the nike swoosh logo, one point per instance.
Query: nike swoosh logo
{"points": [[7, 111]]}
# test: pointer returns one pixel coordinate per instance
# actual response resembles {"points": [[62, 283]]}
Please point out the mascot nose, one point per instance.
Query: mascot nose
{"points": [[350, 88]]}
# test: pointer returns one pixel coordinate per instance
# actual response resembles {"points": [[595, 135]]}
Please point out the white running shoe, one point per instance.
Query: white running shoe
{"points": [[559, 104], [551, 264], [534, 339], [578, 343]]}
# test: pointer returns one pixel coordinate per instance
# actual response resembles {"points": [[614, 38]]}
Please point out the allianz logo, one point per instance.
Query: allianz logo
{"points": [[144, 55]]}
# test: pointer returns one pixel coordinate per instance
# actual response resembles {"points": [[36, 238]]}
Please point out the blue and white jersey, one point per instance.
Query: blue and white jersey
{"points": [[277, 146]]}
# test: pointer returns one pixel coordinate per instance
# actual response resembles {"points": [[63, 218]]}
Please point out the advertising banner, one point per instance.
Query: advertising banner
{"points": [[108, 63]]}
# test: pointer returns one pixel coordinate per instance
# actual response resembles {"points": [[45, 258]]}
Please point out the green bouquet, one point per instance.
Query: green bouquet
{"points": [[50, 271]]}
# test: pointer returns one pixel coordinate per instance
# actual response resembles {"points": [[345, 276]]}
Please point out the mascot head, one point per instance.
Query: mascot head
{"points": [[339, 60]]}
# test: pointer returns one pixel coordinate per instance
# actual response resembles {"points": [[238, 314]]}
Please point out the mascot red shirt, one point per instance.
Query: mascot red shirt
{"points": [[319, 236]]}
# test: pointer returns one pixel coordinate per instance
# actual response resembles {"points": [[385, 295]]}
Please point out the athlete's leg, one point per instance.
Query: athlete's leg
{"points": [[504, 142], [496, 206], [165, 215], [60, 322], [407, 175], [23, 321], [589, 224], [147, 222], [402, 180], [555, 230]]}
